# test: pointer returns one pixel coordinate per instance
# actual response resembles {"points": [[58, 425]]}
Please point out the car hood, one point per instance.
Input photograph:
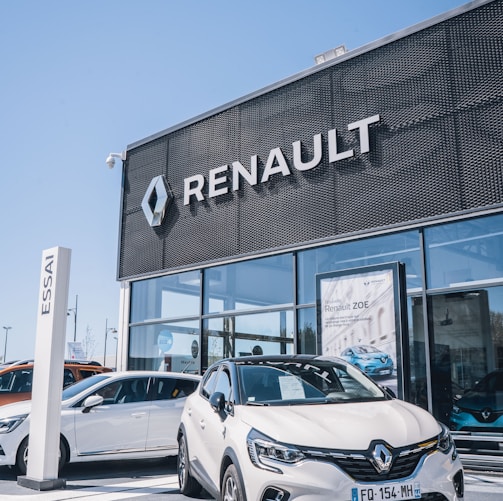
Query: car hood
{"points": [[343, 426], [15, 409]]}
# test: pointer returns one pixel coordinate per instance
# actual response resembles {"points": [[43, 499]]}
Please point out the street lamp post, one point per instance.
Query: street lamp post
{"points": [[107, 330], [5, 348], [116, 343], [74, 310]]}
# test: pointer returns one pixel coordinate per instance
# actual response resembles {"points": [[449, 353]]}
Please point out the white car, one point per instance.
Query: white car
{"points": [[109, 416], [310, 428]]}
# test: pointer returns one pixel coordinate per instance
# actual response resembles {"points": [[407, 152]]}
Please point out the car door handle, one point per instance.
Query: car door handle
{"points": [[202, 424], [138, 414]]}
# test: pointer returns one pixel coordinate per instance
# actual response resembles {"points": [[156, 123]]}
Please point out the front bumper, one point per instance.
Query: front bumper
{"points": [[320, 480]]}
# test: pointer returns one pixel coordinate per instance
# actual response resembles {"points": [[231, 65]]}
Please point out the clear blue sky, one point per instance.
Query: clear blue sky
{"points": [[82, 79]]}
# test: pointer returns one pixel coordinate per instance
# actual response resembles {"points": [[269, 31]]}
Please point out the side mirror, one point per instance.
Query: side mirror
{"points": [[389, 391], [90, 402], [217, 401]]}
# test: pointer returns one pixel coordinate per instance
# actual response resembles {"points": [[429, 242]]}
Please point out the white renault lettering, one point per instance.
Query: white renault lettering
{"points": [[276, 163]]}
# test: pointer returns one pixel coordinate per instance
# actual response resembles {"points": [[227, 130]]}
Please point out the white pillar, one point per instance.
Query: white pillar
{"points": [[45, 418]]}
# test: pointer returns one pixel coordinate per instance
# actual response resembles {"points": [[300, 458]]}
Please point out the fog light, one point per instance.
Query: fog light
{"points": [[275, 494]]}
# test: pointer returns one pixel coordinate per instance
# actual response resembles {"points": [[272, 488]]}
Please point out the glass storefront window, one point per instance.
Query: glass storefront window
{"points": [[241, 335], [465, 251], [166, 297], [249, 285], [403, 247], [306, 331], [466, 361], [418, 387], [171, 347]]}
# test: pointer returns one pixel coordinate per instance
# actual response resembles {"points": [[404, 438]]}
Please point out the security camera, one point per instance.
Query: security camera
{"points": [[111, 158], [110, 161]]}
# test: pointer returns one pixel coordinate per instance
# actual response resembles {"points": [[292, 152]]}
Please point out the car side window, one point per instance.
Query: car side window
{"points": [[133, 390], [124, 391], [223, 384], [16, 381], [209, 383], [111, 393], [22, 381], [68, 378], [168, 388]]}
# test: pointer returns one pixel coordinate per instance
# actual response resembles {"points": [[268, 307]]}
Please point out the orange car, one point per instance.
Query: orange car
{"points": [[16, 377]]}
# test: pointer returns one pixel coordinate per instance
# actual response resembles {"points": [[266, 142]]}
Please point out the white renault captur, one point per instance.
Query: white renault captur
{"points": [[310, 428]]}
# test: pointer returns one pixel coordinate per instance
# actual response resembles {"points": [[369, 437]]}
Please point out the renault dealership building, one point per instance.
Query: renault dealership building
{"points": [[355, 209]]}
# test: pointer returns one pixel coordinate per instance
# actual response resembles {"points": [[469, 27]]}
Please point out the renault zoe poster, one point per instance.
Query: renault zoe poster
{"points": [[360, 319]]}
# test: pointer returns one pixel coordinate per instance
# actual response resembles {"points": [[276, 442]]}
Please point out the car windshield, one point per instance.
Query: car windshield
{"points": [[492, 383], [365, 349], [304, 382], [83, 384]]}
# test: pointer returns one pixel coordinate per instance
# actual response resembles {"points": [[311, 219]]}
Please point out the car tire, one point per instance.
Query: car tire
{"points": [[22, 456], [189, 486], [232, 490]]}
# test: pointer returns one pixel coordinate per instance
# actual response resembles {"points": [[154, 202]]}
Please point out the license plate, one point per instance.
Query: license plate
{"points": [[385, 492]]}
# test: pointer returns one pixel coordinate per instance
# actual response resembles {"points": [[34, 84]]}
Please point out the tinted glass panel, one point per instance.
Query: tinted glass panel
{"points": [[16, 381], [402, 247], [250, 284], [166, 347], [240, 335], [306, 335], [168, 388], [463, 252], [467, 361], [165, 297], [418, 390]]}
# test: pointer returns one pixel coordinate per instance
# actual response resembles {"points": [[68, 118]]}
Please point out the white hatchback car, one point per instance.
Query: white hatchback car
{"points": [[314, 428], [109, 416]]}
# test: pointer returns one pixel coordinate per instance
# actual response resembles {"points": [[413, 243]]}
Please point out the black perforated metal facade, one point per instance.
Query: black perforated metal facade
{"points": [[437, 150]]}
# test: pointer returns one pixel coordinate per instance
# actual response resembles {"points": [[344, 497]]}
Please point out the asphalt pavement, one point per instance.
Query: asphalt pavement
{"points": [[157, 480]]}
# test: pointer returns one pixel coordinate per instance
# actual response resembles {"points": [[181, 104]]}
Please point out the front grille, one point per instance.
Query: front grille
{"points": [[360, 465], [361, 469], [490, 417]]}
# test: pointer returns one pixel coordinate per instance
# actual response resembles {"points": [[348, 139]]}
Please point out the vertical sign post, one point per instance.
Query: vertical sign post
{"points": [[45, 418]]}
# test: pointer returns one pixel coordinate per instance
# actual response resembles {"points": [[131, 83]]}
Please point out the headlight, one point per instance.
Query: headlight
{"points": [[11, 423], [264, 452], [445, 442]]}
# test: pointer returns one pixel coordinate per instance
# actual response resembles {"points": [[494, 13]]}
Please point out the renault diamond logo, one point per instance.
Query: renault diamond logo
{"points": [[381, 458], [156, 200], [486, 413]]}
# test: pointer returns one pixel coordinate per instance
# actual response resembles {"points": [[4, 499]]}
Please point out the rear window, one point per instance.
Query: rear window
{"points": [[169, 387]]}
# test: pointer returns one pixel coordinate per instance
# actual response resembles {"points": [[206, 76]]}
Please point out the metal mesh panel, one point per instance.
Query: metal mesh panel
{"points": [[437, 150]]}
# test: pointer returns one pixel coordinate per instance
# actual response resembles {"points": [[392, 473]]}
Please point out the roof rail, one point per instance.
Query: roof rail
{"points": [[83, 362]]}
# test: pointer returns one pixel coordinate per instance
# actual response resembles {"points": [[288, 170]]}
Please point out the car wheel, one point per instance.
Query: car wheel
{"points": [[22, 456], [232, 490], [189, 486]]}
